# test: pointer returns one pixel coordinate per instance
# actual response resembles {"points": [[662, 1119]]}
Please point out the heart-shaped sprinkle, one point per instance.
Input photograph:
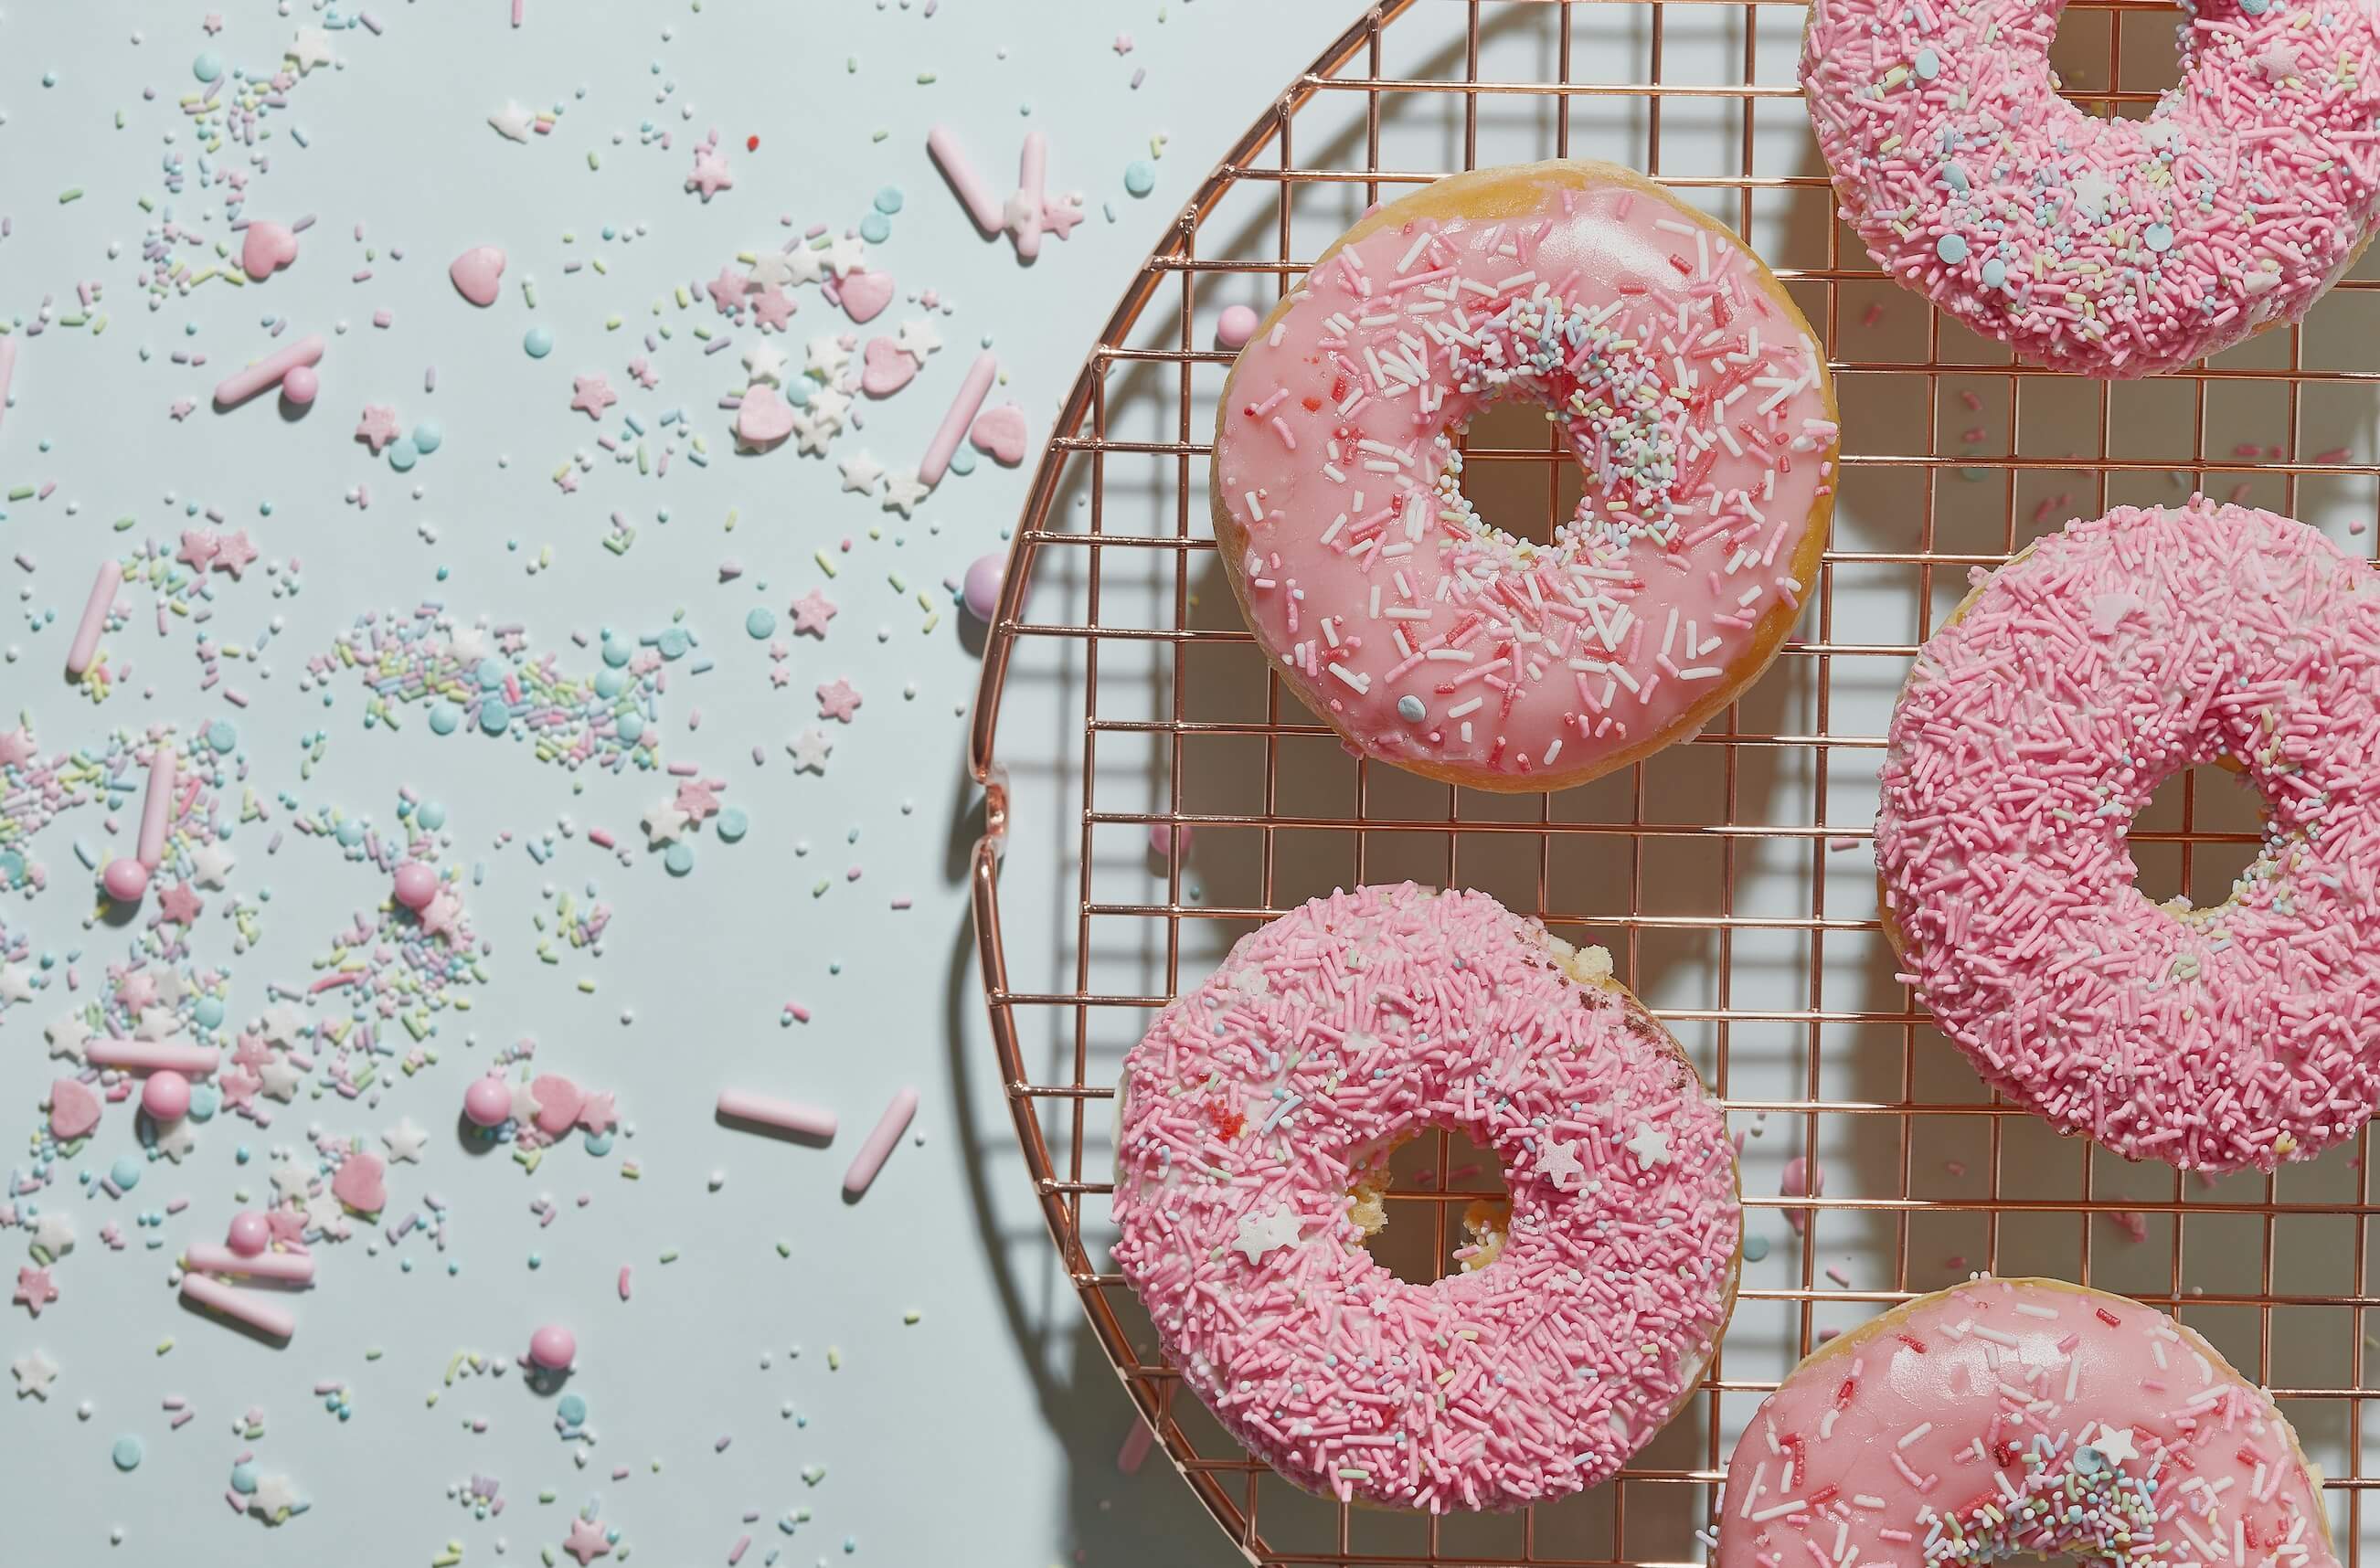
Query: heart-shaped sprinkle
{"points": [[361, 1184], [557, 1104], [887, 369], [74, 1110], [999, 433], [475, 273], [865, 294], [764, 419], [267, 248]]}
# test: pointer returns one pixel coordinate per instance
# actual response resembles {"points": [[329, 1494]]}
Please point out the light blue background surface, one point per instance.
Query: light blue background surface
{"points": [[986, 1432]]}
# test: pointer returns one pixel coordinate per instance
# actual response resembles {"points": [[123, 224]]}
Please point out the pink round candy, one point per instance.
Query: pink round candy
{"points": [[981, 590], [300, 385], [166, 1096], [1236, 325], [126, 879], [1163, 835], [552, 1347], [488, 1102], [248, 1233], [416, 884]]}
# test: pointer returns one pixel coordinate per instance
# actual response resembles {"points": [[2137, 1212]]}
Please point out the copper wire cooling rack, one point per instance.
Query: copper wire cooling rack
{"points": [[1730, 876]]}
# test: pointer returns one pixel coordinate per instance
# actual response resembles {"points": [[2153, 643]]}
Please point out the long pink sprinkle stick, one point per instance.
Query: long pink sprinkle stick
{"points": [[255, 1311], [982, 204], [290, 1268], [1032, 165], [267, 372], [156, 806], [878, 1147], [517, 7], [85, 645], [7, 371], [790, 1116], [1136, 1447], [152, 1056], [962, 413]]}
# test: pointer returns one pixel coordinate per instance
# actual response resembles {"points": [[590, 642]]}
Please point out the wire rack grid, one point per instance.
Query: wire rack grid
{"points": [[1176, 797]]}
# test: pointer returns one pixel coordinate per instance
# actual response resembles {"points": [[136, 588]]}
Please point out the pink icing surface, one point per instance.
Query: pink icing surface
{"points": [[1326, 1036], [1698, 405], [2032, 729], [2106, 246], [2020, 1416]]}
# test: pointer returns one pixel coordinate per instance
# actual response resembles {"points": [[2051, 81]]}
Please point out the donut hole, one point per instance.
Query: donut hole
{"points": [[2201, 831], [1447, 1198], [1518, 471]]}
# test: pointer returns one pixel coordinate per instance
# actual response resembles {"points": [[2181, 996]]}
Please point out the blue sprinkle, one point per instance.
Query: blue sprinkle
{"points": [[1951, 249], [494, 715], [350, 833], [616, 651], [1954, 176], [205, 1101], [1929, 65], [223, 735], [444, 717], [538, 341], [490, 674], [403, 454], [610, 683], [209, 1012], [428, 435], [1994, 272], [243, 1479], [678, 858], [1411, 709], [430, 815], [206, 67], [630, 727], [2254, 7], [888, 200], [1755, 1247], [875, 228], [733, 825], [126, 1172], [1140, 176], [127, 1454], [760, 623], [675, 642], [2159, 237], [571, 1409]]}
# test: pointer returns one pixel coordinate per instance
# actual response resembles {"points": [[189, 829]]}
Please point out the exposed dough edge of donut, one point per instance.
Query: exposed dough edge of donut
{"points": [[1508, 191]]}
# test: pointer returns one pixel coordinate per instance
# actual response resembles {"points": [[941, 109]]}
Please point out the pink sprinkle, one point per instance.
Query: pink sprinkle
{"points": [[623, 1282]]}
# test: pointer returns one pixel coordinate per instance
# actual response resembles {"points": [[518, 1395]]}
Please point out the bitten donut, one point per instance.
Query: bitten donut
{"points": [[1681, 378], [2034, 727], [2009, 1416], [2108, 247], [1263, 1099]]}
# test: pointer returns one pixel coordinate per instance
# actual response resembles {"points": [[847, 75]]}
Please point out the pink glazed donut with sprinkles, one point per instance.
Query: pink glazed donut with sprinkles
{"points": [[2038, 721], [1255, 1126], [2002, 1418], [2110, 247], [1678, 373]]}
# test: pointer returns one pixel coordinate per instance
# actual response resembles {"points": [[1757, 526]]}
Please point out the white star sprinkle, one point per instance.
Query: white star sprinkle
{"points": [[281, 1077], [765, 362], [311, 48], [404, 1141], [809, 751], [917, 339], [210, 863], [274, 1499], [1650, 1145], [15, 986], [67, 1037], [2091, 193], [53, 1234], [903, 491], [1260, 1235], [861, 472], [175, 1139], [824, 356], [34, 1375], [512, 121], [2114, 1444], [282, 1023], [846, 255]]}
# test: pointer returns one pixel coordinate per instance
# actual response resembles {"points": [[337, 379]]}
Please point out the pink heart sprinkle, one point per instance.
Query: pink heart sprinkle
{"points": [[267, 248], [999, 432], [557, 1104], [888, 369], [765, 418], [361, 1184], [865, 294], [475, 273], [74, 1110]]}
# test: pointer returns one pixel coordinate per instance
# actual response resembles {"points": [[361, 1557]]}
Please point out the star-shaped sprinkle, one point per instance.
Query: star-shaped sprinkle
{"points": [[512, 122], [592, 394], [442, 915], [290, 1181], [765, 362], [846, 255], [599, 1112], [2114, 1444], [1124, 44], [181, 407], [53, 1234], [917, 339], [175, 1139], [811, 750], [813, 433], [67, 1037], [34, 1290], [1558, 1165], [772, 269], [805, 263], [210, 863], [378, 426], [275, 1499], [2092, 190], [179, 904], [1650, 1145], [2278, 61], [861, 472], [1060, 214], [825, 356], [812, 612], [1260, 1233], [404, 1141], [641, 371], [156, 1023], [710, 174], [696, 797], [587, 1541], [34, 1374], [239, 1089], [234, 553], [199, 546], [137, 990], [326, 1216], [311, 48], [663, 824], [282, 1023], [727, 290], [771, 307], [281, 1077], [837, 700], [213, 22], [15, 746], [903, 491], [15, 984]]}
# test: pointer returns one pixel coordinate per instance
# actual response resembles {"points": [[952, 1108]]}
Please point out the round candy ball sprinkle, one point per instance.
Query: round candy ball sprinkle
{"points": [[981, 590], [552, 1347], [166, 1096], [126, 879], [248, 1233], [300, 385], [1236, 326], [537, 343], [416, 884], [488, 1102]]}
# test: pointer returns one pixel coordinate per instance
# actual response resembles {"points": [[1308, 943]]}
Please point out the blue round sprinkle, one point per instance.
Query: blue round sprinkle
{"points": [[243, 1479], [538, 341], [403, 454], [674, 643], [963, 461], [1951, 249], [494, 715], [616, 651], [571, 1409], [1929, 65], [876, 228], [430, 815], [1755, 1247], [599, 1142], [610, 683], [678, 858], [759, 623], [209, 1012], [2254, 7], [2159, 237], [490, 674], [1411, 709], [208, 66], [1140, 176], [733, 825], [444, 717], [888, 200], [126, 1172], [428, 435], [127, 1454], [205, 1101], [1954, 176], [631, 728], [1994, 272], [223, 735], [350, 833]]}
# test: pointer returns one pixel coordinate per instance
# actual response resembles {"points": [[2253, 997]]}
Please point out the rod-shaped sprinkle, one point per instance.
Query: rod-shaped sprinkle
{"points": [[266, 372], [878, 1147], [253, 1310], [1025, 209], [85, 645], [982, 204], [960, 415], [152, 1056], [7, 371], [157, 806], [789, 1116], [290, 1268]]}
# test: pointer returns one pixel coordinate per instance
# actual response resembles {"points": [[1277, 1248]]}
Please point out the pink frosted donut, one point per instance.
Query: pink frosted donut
{"points": [[2106, 246], [2009, 1416], [1682, 378], [2037, 722], [1263, 1099]]}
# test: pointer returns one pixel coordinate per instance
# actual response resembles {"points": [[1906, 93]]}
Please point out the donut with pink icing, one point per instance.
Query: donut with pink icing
{"points": [[1255, 1124], [2022, 1415], [2038, 721], [1678, 373], [2102, 245]]}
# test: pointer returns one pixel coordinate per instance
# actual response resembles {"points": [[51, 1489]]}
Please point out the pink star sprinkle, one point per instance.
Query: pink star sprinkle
{"points": [[15, 746], [695, 798], [179, 904], [594, 394], [233, 553], [812, 612], [180, 407], [596, 1112], [377, 427], [727, 290], [642, 370], [587, 1542], [710, 173], [34, 1290], [568, 481], [837, 700], [1060, 216], [213, 22], [199, 546], [772, 306]]}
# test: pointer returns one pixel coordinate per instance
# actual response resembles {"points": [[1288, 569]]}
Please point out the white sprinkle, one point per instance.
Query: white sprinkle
{"points": [[1459, 709], [1913, 1433], [1360, 683]]}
